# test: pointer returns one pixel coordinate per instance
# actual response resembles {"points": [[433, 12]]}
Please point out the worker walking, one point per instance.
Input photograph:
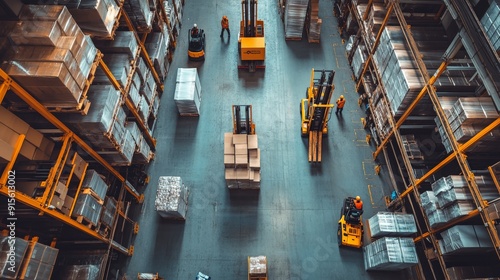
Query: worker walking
{"points": [[340, 104], [225, 26], [358, 204]]}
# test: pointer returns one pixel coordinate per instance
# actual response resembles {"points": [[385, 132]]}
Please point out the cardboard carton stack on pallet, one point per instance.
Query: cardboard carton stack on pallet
{"points": [[241, 161]]}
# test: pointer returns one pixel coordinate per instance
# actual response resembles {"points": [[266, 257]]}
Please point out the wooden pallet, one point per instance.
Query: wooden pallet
{"points": [[93, 194], [293, 38], [189, 115], [84, 221]]}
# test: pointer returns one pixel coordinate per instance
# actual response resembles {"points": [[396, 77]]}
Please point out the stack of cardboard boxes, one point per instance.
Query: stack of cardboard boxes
{"points": [[35, 146], [241, 161]]}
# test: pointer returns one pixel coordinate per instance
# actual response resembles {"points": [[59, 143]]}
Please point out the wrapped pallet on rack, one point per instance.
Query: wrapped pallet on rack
{"points": [[390, 253], [140, 13], [100, 18], [491, 24], [87, 210], [187, 94], [454, 188], [95, 185], [314, 24], [465, 239], [39, 261], [171, 198], [7, 270], [51, 58], [157, 46], [434, 214], [81, 264]]}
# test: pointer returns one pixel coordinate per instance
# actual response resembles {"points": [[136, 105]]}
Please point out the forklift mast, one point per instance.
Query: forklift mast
{"points": [[243, 124], [321, 95], [249, 17]]}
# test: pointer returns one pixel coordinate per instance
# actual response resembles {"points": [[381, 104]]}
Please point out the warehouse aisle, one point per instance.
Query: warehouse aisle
{"points": [[293, 220]]}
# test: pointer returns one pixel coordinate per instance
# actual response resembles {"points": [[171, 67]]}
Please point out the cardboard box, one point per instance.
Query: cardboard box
{"points": [[239, 139], [254, 162], [256, 176], [12, 121], [28, 150], [80, 166], [228, 144], [230, 173], [241, 160], [240, 149], [47, 146], [229, 160], [34, 137], [61, 190], [243, 173], [253, 143], [252, 153], [40, 155], [67, 205], [6, 151], [8, 135], [57, 202]]}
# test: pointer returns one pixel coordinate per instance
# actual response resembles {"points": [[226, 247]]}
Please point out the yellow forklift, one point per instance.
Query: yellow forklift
{"points": [[350, 229], [243, 124], [315, 111], [251, 41]]}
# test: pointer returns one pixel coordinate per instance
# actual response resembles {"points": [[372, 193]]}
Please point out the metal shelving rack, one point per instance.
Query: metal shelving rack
{"points": [[461, 14]]}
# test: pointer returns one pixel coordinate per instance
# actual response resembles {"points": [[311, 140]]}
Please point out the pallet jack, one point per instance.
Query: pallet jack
{"points": [[315, 111]]}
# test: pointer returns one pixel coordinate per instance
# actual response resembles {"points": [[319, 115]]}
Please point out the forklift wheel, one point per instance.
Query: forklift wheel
{"points": [[339, 237]]}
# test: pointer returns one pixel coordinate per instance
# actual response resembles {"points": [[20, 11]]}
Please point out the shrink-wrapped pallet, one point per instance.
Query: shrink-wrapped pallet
{"points": [[140, 13], [295, 14], [187, 94], [123, 42], [465, 239], [108, 212], [77, 272], [390, 253], [392, 224], [7, 270], [257, 266], [491, 24], [87, 208], [97, 17], [171, 198], [95, 182]]}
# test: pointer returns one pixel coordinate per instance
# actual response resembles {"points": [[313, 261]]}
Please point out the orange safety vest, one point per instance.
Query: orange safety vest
{"points": [[224, 23], [358, 205], [340, 103]]}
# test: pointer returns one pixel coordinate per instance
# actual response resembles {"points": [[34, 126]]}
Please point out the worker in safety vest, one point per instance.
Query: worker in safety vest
{"points": [[358, 204], [225, 26], [340, 104], [194, 30]]}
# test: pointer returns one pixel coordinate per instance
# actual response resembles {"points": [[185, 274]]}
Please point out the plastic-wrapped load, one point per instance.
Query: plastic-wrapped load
{"points": [[295, 14], [454, 188], [257, 265], [491, 24], [358, 60], [81, 272], [144, 108], [7, 270], [350, 44], [392, 224], [122, 156], [148, 90], [108, 212], [97, 17], [143, 152], [171, 197], [88, 208], [140, 13], [134, 130], [465, 239], [123, 42], [119, 65], [105, 100], [458, 209], [390, 253], [187, 94], [156, 45], [95, 182]]}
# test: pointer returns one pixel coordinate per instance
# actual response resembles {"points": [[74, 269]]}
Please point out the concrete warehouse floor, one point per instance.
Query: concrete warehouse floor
{"points": [[293, 220]]}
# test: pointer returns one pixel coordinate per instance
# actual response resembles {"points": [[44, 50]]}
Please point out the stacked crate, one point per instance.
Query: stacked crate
{"points": [[51, 57], [467, 116], [390, 253], [34, 147], [171, 198], [187, 94], [10, 269], [435, 215], [391, 224], [38, 262], [241, 161], [465, 239], [140, 13], [491, 24], [96, 17], [411, 147]]}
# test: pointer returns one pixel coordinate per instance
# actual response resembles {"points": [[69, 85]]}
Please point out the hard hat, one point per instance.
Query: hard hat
{"points": [[195, 25], [224, 17], [358, 198], [342, 97]]}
